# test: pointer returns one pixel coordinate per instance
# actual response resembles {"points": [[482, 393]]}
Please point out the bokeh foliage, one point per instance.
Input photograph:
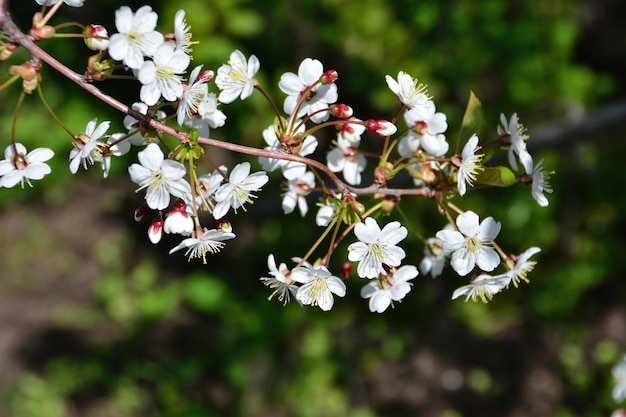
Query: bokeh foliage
{"points": [[166, 338]]}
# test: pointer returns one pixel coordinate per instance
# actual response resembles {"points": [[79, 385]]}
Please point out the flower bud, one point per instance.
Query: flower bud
{"points": [[178, 221], [97, 37], [341, 111], [6, 50], [205, 76], [224, 225], [155, 231], [142, 212], [346, 270], [381, 127], [329, 77]]}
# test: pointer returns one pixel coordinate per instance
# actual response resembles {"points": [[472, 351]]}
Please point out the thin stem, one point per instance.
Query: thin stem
{"points": [[16, 113]]}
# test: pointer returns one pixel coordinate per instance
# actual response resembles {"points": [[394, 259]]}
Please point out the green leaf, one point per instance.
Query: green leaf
{"points": [[473, 120], [497, 176]]}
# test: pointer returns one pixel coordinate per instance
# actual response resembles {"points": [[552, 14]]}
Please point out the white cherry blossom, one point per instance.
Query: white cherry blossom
{"points": [[318, 286], [315, 99], [376, 247], [161, 177], [619, 380], [540, 184], [161, 76], [211, 241], [521, 267], [85, 144], [471, 244], [514, 133], [283, 286], [484, 287], [236, 79], [136, 38], [470, 165], [346, 158], [182, 36], [297, 190], [238, 190], [291, 169], [19, 166], [389, 287], [73, 3], [408, 90]]}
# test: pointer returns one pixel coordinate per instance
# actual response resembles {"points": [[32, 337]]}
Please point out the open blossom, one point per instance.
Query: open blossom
{"points": [[540, 184], [236, 79], [136, 38], [389, 287], [513, 133], [137, 131], [193, 95], [376, 247], [162, 177], [283, 286], [238, 190], [435, 257], [22, 166], [408, 90], [73, 3], [619, 380], [211, 241], [297, 190], [318, 286], [161, 76], [316, 98], [346, 158], [291, 169], [483, 287], [85, 144], [182, 36], [521, 267], [471, 244], [470, 165]]}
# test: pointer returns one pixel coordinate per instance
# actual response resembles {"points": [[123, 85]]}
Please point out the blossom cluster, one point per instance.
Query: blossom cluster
{"points": [[177, 185]]}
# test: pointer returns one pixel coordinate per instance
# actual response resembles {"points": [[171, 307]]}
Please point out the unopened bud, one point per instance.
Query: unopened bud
{"points": [[389, 202], [384, 173], [224, 225], [142, 212], [206, 76], [329, 77], [155, 231], [381, 127], [341, 111], [97, 37], [40, 32], [6, 50], [346, 270]]}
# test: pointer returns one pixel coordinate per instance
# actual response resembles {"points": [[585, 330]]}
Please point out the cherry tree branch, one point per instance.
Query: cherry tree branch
{"points": [[27, 42]]}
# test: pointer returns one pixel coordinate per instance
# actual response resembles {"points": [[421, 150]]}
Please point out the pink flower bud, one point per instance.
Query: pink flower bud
{"points": [[177, 220], [341, 111], [206, 76], [97, 37], [142, 212], [329, 77], [155, 231], [346, 270], [381, 127]]}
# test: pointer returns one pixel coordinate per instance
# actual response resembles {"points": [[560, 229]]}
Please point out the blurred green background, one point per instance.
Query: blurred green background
{"points": [[95, 321]]}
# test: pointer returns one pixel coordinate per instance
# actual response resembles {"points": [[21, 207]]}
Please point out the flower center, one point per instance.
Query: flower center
{"points": [[20, 161]]}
